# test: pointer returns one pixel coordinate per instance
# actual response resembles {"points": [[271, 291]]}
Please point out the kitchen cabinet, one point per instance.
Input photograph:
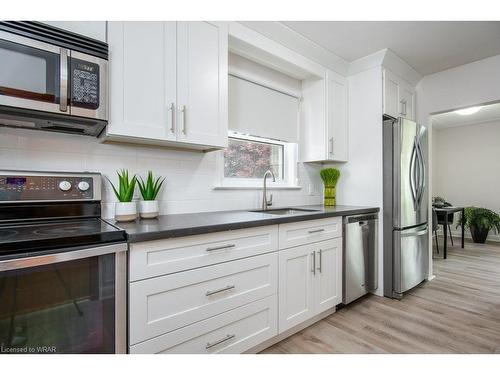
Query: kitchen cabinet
{"points": [[235, 289], [91, 29], [310, 281], [398, 96], [324, 119], [168, 84]]}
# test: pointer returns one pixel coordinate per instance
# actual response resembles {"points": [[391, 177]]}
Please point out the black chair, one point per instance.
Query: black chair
{"points": [[435, 226], [441, 220]]}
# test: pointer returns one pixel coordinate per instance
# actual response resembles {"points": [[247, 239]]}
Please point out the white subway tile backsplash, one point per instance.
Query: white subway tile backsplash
{"points": [[190, 176]]}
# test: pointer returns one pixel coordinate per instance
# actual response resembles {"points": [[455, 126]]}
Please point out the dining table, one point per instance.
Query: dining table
{"points": [[446, 211]]}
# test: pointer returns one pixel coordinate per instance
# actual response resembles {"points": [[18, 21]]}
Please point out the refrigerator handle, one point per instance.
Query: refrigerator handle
{"points": [[421, 163], [413, 175]]}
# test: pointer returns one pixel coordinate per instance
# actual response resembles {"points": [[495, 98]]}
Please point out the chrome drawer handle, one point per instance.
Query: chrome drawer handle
{"points": [[220, 341], [212, 292], [229, 246], [316, 231]]}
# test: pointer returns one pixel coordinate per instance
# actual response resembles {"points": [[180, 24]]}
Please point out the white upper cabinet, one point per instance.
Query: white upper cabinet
{"points": [[168, 83], [91, 29], [399, 96], [142, 79], [324, 119], [202, 55]]}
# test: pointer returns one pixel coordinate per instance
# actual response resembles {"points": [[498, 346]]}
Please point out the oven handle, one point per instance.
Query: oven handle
{"points": [[40, 260]]}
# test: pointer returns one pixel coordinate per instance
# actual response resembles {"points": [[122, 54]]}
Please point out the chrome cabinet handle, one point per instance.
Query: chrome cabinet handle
{"points": [[330, 146], [320, 268], [172, 118], [183, 111], [228, 246], [63, 95], [212, 292], [220, 341], [313, 269], [403, 105], [316, 231]]}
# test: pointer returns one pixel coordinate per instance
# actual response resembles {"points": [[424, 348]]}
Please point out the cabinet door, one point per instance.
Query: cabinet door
{"points": [[202, 83], [328, 279], [296, 272], [142, 79], [337, 96], [391, 94], [407, 101]]}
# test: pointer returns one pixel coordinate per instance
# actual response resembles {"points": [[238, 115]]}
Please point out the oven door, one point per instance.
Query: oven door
{"points": [[33, 74], [69, 302]]}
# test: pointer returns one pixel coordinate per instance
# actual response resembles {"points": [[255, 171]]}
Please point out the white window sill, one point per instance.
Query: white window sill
{"points": [[255, 187]]}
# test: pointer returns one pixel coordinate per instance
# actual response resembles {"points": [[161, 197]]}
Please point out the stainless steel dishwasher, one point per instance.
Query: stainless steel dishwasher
{"points": [[360, 260]]}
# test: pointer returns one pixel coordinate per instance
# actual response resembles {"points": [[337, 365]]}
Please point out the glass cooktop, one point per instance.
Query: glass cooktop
{"points": [[21, 238]]}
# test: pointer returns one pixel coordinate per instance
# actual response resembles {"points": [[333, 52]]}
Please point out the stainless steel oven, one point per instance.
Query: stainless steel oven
{"points": [[51, 79], [62, 267]]}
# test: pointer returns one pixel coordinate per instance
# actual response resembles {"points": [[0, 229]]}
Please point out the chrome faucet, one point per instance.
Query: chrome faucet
{"points": [[265, 202]]}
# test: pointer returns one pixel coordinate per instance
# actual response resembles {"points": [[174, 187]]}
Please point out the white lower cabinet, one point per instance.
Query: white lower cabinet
{"points": [[310, 281], [229, 292], [166, 303], [234, 331]]}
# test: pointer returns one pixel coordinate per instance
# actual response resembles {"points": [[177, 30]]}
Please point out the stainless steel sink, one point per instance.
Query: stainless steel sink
{"points": [[285, 211]]}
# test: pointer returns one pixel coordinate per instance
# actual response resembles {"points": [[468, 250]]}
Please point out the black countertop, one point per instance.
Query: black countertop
{"points": [[179, 225]]}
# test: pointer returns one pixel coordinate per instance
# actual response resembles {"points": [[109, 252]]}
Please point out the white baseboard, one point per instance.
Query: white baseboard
{"points": [[458, 233]]}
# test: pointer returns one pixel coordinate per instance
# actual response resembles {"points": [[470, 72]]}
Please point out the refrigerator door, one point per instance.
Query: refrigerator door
{"points": [[411, 257], [409, 174]]}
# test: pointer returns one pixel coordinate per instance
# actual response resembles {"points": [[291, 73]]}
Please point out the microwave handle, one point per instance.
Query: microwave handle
{"points": [[63, 96]]}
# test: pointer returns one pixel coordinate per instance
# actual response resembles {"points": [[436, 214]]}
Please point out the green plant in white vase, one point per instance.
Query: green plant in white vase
{"points": [[149, 207], [125, 209]]}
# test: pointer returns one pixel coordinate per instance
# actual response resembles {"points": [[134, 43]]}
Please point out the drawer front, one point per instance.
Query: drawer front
{"points": [[163, 304], [306, 232], [155, 258], [234, 331]]}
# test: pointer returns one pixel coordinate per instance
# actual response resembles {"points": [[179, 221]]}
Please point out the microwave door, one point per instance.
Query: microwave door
{"points": [[88, 83], [33, 74]]}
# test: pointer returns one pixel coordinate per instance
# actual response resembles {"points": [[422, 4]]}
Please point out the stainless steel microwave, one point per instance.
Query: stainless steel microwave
{"points": [[52, 79]]}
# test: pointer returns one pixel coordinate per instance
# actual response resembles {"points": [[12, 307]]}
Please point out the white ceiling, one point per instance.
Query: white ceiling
{"points": [[428, 46], [487, 113]]}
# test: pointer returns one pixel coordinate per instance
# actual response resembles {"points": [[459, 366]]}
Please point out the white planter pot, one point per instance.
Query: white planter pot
{"points": [[149, 209], [125, 211]]}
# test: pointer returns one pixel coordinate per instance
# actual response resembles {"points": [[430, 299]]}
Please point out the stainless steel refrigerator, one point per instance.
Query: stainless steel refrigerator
{"points": [[406, 245]]}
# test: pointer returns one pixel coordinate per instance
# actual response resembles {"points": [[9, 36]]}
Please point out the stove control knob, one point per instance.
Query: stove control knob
{"points": [[65, 185], [83, 186]]}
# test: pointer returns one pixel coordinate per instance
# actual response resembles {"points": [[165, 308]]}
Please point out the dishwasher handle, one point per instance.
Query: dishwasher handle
{"points": [[361, 219]]}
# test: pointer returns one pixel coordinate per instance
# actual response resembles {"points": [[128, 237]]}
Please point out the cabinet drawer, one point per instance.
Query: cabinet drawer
{"points": [[231, 332], [163, 304], [305, 232], [155, 258]]}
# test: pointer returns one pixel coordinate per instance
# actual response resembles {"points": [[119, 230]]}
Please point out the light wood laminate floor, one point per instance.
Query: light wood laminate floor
{"points": [[457, 312]]}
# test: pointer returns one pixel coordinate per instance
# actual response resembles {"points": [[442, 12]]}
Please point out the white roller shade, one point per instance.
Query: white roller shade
{"points": [[262, 112]]}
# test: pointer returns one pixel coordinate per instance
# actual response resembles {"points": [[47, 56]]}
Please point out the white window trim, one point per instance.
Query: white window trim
{"points": [[290, 161]]}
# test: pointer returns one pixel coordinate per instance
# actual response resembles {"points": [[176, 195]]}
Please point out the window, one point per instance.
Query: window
{"points": [[248, 158], [263, 119]]}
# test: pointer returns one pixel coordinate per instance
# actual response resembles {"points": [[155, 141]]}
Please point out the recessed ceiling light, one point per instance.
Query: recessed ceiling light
{"points": [[468, 111]]}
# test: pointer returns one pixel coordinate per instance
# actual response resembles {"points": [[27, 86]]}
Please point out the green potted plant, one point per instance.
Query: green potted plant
{"points": [[330, 176], [480, 221], [125, 209], [150, 188]]}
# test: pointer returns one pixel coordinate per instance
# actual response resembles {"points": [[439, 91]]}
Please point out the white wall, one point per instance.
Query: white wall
{"points": [[463, 86], [361, 181], [190, 176], [466, 166]]}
